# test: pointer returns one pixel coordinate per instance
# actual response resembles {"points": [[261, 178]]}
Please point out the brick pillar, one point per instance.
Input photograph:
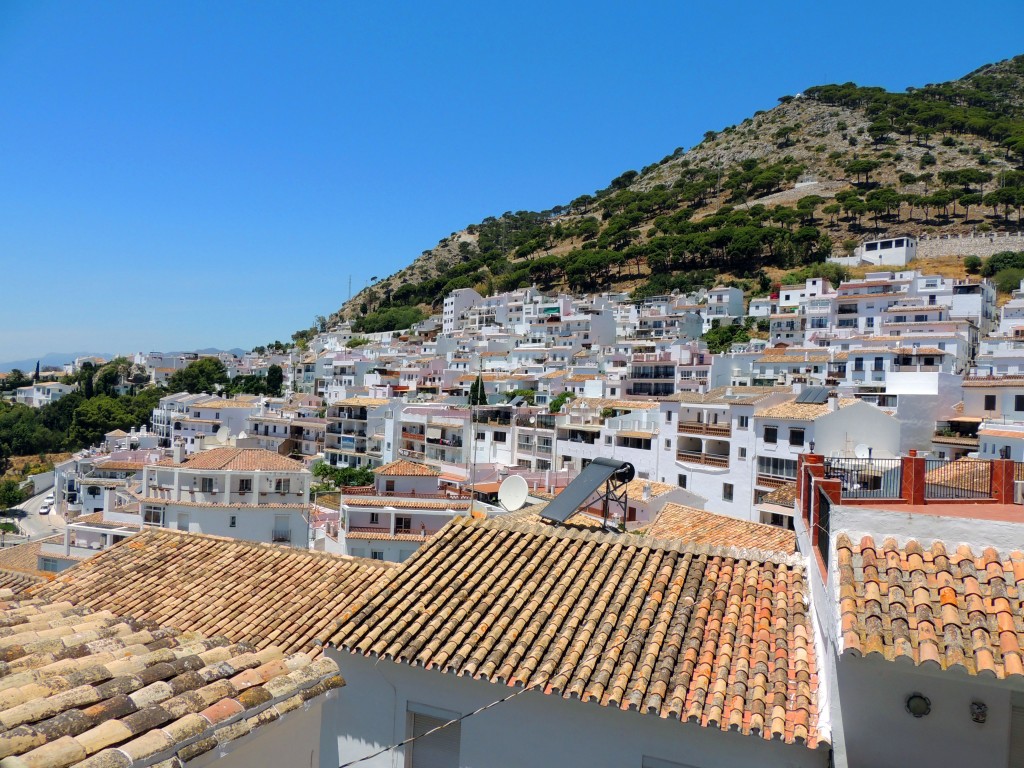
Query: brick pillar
{"points": [[808, 465], [912, 485], [1002, 480]]}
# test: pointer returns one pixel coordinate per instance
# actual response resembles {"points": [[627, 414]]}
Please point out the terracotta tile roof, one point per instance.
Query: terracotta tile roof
{"points": [[364, 501], [962, 473], [257, 593], [697, 634], [698, 526], [92, 689], [120, 466], [403, 468], [795, 411], [618, 405], [24, 558], [238, 459], [13, 583], [783, 496], [997, 381], [529, 516], [369, 402], [950, 610]]}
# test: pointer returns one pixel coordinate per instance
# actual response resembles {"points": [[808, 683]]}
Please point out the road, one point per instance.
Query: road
{"points": [[37, 525]]}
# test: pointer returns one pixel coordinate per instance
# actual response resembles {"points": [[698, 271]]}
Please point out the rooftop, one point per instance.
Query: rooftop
{"points": [[605, 618], [948, 610], [84, 687], [238, 459], [403, 468], [698, 526], [247, 592]]}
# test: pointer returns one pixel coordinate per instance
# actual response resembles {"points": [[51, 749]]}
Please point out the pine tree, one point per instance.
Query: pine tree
{"points": [[36, 377]]}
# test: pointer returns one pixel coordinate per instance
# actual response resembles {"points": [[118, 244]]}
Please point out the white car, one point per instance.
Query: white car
{"points": [[49, 498], [45, 509]]}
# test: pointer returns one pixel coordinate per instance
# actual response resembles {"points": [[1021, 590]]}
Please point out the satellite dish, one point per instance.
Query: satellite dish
{"points": [[223, 434], [862, 451], [512, 492], [625, 473]]}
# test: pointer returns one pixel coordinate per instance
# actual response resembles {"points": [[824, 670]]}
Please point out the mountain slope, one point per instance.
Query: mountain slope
{"points": [[784, 188]]}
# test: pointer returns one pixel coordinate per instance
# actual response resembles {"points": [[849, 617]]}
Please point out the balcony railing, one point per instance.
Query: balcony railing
{"points": [[701, 428], [281, 536], [417, 436], [708, 459], [867, 478]]}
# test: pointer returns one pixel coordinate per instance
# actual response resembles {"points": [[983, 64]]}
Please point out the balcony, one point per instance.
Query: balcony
{"points": [[281, 536], [700, 428], [417, 436], [768, 481], [708, 459]]}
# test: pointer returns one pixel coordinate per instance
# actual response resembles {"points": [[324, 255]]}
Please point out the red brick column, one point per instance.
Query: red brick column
{"points": [[808, 465], [912, 485], [1002, 481]]}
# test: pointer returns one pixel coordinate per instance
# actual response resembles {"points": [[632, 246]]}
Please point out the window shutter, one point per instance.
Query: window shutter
{"points": [[438, 750], [1017, 738]]}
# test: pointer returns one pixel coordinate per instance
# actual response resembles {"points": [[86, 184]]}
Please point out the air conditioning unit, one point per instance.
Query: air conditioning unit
{"points": [[1018, 492]]}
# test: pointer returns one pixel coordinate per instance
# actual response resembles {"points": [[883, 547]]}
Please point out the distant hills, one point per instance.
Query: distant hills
{"points": [[783, 189], [58, 359], [52, 359]]}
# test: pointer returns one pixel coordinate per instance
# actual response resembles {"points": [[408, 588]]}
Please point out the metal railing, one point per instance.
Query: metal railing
{"points": [[867, 478], [958, 479], [701, 428], [281, 536]]}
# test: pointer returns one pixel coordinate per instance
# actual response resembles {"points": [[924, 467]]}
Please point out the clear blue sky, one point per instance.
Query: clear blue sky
{"points": [[179, 175]]}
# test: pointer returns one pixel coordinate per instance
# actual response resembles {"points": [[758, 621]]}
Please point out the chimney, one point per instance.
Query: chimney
{"points": [[833, 403], [646, 496], [178, 452]]}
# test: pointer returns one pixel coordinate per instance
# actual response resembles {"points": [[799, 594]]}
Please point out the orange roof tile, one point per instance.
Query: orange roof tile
{"points": [[111, 691], [403, 468], [258, 593], [948, 610], [698, 526], [238, 459], [605, 618]]}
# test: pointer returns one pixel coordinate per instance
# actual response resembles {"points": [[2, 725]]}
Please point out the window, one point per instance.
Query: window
{"points": [[282, 485], [245, 485], [681, 481], [403, 524], [233, 521], [668, 445], [990, 402], [500, 437], [282, 529], [742, 422], [796, 437], [668, 417], [607, 439], [183, 521], [773, 467], [441, 748], [479, 435], [376, 554], [206, 485], [878, 364], [1018, 402], [49, 564], [742, 453], [771, 435], [726, 491], [389, 486], [858, 363], [375, 518], [152, 515]]}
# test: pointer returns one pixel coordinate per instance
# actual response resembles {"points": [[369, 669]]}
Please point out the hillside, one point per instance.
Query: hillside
{"points": [[783, 189]]}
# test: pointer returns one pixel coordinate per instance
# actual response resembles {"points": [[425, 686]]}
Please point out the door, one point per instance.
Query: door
{"points": [[439, 749]]}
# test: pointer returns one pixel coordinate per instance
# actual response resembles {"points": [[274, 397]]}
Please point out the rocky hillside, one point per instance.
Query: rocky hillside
{"points": [[782, 190]]}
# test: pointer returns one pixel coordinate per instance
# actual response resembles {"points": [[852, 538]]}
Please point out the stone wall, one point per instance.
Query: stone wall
{"points": [[969, 245]]}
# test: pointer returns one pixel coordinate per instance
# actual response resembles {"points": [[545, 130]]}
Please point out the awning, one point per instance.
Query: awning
{"points": [[638, 434], [433, 433]]}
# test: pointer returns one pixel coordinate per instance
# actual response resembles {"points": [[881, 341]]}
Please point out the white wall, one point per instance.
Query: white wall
{"points": [[882, 734], [529, 731], [294, 740]]}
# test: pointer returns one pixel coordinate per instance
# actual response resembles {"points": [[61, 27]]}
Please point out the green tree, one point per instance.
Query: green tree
{"points": [[275, 380], [16, 378], [972, 264], [36, 376], [477, 391], [11, 494], [204, 375], [97, 416], [555, 406]]}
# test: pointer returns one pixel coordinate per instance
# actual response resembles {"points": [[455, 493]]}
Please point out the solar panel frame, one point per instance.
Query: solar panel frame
{"points": [[813, 395], [594, 475]]}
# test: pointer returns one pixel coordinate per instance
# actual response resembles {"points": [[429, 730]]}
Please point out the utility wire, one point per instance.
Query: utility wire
{"points": [[484, 708]]}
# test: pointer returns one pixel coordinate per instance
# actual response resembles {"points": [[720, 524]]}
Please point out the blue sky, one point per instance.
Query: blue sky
{"points": [[183, 175]]}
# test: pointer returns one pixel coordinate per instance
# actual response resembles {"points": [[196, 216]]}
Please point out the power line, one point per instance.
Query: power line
{"points": [[484, 708]]}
